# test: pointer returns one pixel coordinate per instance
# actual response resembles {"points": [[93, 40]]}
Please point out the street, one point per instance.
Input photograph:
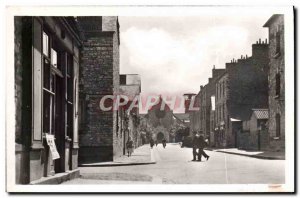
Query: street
{"points": [[174, 166]]}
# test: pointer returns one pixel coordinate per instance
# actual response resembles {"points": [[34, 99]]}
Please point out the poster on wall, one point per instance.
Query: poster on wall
{"points": [[51, 143]]}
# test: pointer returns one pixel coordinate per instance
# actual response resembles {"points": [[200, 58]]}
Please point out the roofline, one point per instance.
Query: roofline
{"points": [[130, 74], [270, 20], [221, 75]]}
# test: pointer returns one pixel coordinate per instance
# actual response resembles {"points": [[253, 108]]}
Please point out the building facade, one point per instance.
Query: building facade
{"points": [[46, 94], [276, 124], [201, 119], [160, 121], [221, 111], [242, 88], [254, 134], [130, 86]]}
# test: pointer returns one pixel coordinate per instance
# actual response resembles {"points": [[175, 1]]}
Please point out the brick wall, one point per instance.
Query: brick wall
{"points": [[99, 76], [18, 77]]}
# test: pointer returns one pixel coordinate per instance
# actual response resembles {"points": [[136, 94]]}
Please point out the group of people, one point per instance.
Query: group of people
{"points": [[198, 145], [152, 142]]}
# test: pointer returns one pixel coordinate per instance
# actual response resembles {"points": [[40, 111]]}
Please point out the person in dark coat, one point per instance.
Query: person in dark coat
{"points": [[151, 143], [129, 146], [201, 145], [195, 143], [198, 146], [164, 142]]}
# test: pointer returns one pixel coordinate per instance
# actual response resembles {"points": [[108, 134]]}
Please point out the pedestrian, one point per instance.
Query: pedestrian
{"points": [[195, 143], [156, 142], [202, 145], [151, 143], [129, 146], [164, 142]]}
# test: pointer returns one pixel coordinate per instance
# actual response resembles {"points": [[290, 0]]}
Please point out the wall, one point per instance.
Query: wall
{"points": [[277, 65], [100, 136]]}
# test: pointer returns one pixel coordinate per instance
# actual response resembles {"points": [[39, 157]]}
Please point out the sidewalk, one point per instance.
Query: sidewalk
{"points": [[256, 154], [141, 156]]}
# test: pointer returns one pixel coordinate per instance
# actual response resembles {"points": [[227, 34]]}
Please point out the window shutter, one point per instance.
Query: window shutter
{"points": [[37, 83]]}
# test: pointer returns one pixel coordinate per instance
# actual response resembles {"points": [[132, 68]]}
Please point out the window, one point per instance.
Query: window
{"points": [[217, 90], [69, 76], [48, 89], [57, 87], [277, 125], [117, 123], [277, 40], [277, 84], [54, 57], [224, 88], [45, 44]]}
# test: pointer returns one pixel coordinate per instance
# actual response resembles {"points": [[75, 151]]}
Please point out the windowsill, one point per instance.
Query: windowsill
{"points": [[276, 138]]}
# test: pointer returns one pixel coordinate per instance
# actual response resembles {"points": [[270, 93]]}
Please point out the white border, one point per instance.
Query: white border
{"points": [[146, 11]]}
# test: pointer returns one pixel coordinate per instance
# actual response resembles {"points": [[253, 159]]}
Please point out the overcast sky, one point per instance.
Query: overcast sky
{"points": [[175, 55]]}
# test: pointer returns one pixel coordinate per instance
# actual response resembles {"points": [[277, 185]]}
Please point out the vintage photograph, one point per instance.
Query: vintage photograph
{"points": [[165, 96]]}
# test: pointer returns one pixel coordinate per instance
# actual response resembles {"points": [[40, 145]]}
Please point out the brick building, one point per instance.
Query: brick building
{"points": [[221, 111], [201, 120], [130, 86], [46, 95], [242, 88], [276, 124], [99, 133]]}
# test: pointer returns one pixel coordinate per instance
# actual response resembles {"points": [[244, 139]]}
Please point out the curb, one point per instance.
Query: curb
{"points": [[152, 161], [120, 164], [58, 178], [253, 156]]}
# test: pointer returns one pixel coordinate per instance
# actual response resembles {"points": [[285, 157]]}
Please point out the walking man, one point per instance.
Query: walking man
{"points": [[129, 146], [195, 143], [202, 145], [151, 143], [164, 142]]}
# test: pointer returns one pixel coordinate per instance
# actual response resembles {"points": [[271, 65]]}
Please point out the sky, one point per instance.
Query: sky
{"points": [[175, 55]]}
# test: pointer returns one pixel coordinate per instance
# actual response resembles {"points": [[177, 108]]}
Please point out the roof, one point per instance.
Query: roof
{"points": [[271, 19], [182, 116], [261, 113]]}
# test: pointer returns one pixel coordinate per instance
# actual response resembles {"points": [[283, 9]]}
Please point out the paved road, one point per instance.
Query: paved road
{"points": [[174, 165]]}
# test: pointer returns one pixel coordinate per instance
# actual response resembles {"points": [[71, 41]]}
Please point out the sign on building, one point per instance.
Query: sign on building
{"points": [[52, 146]]}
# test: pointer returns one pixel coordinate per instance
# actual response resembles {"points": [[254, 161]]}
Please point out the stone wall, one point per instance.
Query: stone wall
{"points": [[277, 66]]}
